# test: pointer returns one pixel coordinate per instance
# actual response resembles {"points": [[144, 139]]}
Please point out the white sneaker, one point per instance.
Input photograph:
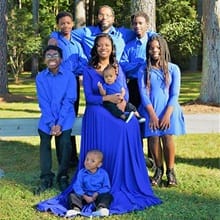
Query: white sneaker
{"points": [[130, 117], [141, 120], [70, 213], [101, 212]]}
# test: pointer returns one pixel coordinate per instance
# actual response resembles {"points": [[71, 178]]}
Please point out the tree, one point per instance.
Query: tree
{"points": [[210, 85], [177, 22], [147, 6], [3, 48]]}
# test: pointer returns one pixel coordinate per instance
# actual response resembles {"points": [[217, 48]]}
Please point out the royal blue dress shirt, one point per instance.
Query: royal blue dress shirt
{"points": [[134, 55], [87, 35], [56, 96]]}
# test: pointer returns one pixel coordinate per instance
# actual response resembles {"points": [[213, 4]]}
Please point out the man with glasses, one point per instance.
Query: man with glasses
{"points": [[105, 21]]}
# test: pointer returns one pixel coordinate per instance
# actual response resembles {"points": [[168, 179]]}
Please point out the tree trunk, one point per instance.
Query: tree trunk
{"points": [[3, 49], [210, 86], [35, 60], [80, 14], [147, 6]]}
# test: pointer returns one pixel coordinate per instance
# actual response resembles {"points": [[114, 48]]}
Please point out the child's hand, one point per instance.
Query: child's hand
{"points": [[99, 84], [88, 199]]}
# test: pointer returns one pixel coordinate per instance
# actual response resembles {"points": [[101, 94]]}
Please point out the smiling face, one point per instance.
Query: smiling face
{"points": [[154, 50], [65, 24], [140, 26], [52, 59], [93, 161], [106, 19], [104, 47]]}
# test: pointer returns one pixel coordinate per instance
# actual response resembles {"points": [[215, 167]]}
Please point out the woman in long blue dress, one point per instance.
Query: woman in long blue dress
{"points": [[159, 84], [119, 141]]}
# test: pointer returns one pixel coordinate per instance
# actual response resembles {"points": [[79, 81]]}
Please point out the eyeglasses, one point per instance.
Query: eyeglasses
{"points": [[52, 56], [104, 15]]}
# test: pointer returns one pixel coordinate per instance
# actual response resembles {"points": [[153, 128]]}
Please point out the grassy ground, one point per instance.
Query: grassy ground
{"points": [[197, 165]]}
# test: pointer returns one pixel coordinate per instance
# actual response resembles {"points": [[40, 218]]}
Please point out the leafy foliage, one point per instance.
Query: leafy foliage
{"points": [[22, 40], [177, 22]]}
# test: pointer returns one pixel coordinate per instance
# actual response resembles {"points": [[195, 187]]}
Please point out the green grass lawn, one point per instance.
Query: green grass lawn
{"points": [[197, 166]]}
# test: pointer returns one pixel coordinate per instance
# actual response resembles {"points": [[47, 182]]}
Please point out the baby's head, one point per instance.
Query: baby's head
{"points": [[110, 74], [93, 160]]}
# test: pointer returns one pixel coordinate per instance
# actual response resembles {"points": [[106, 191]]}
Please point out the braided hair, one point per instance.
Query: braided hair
{"points": [[163, 62]]}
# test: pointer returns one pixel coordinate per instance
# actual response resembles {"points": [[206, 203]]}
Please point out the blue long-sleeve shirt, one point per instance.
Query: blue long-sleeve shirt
{"points": [[73, 54], [134, 55], [56, 96], [87, 35], [88, 183]]}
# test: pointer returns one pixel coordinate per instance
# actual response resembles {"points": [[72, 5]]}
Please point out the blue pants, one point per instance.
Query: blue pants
{"points": [[63, 152]]}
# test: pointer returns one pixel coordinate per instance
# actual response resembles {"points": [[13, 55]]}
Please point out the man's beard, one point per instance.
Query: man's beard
{"points": [[104, 27]]}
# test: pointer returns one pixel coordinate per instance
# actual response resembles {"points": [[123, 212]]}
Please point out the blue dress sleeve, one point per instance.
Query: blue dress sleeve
{"points": [[174, 89], [144, 93]]}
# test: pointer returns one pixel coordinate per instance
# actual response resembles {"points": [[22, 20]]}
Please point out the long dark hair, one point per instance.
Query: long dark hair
{"points": [[164, 59], [94, 61]]}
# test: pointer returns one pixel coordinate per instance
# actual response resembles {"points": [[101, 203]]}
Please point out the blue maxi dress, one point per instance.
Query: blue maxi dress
{"points": [[121, 145]]}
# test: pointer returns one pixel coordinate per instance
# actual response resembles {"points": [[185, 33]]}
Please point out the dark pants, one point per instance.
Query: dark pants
{"points": [[116, 111], [74, 158], [134, 94], [103, 201], [135, 99], [63, 150]]}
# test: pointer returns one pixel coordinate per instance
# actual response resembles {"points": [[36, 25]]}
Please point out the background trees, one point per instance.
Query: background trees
{"points": [[177, 20]]}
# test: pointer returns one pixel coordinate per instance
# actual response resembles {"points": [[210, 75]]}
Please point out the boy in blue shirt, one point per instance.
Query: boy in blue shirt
{"points": [[56, 93], [74, 56], [91, 186]]}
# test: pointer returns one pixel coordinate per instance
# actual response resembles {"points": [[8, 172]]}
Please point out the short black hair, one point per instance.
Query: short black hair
{"points": [[63, 14], [53, 47]]}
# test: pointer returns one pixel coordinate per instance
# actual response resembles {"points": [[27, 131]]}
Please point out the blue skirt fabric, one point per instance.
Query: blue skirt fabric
{"points": [[124, 160]]}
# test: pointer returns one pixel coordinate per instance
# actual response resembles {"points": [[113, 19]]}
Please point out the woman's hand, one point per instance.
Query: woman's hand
{"points": [[122, 105], [114, 98]]}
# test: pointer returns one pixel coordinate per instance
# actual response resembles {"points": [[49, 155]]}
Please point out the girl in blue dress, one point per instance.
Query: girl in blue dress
{"points": [[159, 84], [120, 142]]}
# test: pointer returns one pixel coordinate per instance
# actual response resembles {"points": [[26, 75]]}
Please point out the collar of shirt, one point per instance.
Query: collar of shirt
{"points": [[96, 31], [142, 40], [64, 40], [60, 71]]}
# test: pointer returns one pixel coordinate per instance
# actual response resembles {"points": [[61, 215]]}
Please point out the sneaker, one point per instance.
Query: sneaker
{"points": [[101, 212], [63, 183], [71, 213], [45, 185], [129, 117], [141, 119]]}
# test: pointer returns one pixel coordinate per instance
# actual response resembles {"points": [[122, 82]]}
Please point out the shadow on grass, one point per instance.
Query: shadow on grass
{"points": [[20, 162], [200, 162], [20, 110]]}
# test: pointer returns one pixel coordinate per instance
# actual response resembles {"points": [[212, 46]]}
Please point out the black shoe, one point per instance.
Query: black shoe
{"points": [[157, 178], [171, 178], [45, 185], [150, 163], [63, 183]]}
